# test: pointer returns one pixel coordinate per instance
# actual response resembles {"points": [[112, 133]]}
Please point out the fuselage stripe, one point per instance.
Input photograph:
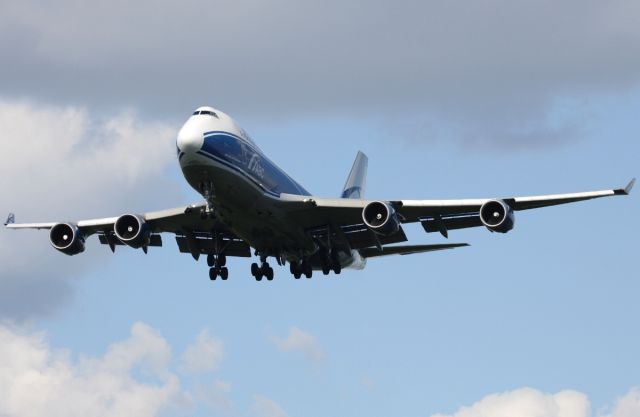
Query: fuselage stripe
{"points": [[235, 168]]}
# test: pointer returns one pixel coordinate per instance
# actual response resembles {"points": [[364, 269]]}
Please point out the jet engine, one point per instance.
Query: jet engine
{"points": [[381, 218], [497, 216], [132, 230], [67, 238]]}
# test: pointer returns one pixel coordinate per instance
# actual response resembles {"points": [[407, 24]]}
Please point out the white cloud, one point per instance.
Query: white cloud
{"points": [[38, 380], [204, 355], [528, 402], [65, 163], [627, 405], [266, 407], [299, 340], [216, 396]]}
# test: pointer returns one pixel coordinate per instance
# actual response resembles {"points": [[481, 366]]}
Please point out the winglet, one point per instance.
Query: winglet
{"points": [[10, 219], [626, 190]]}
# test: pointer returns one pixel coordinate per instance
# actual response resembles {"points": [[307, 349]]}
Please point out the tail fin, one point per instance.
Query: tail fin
{"points": [[354, 187]]}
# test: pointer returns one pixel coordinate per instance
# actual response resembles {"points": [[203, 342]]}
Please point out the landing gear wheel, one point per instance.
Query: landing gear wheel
{"points": [[297, 275], [269, 273], [326, 269], [224, 273], [255, 269], [337, 268], [306, 269], [213, 274], [222, 260], [211, 260]]}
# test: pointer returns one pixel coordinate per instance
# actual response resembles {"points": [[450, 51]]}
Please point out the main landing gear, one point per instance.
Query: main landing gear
{"points": [[217, 267], [264, 270], [331, 263], [299, 269]]}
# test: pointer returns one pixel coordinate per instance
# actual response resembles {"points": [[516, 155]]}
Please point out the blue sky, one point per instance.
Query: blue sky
{"points": [[547, 312]]}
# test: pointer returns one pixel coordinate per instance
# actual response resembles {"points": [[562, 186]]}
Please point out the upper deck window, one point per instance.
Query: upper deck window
{"points": [[207, 112]]}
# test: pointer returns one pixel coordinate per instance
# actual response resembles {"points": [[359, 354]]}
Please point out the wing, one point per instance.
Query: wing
{"points": [[193, 234], [435, 215]]}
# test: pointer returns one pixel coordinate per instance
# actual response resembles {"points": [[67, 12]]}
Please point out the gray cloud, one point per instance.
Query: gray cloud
{"points": [[487, 67], [63, 164]]}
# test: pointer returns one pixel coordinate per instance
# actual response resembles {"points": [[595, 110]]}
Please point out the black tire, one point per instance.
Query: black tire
{"points": [[269, 274], [222, 260], [224, 273], [292, 268], [211, 260], [255, 270], [213, 274], [297, 275], [259, 277], [326, 270]]}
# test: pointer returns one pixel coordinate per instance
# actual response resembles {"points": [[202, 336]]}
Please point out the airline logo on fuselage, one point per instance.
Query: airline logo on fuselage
{"points": [[255, 166]]}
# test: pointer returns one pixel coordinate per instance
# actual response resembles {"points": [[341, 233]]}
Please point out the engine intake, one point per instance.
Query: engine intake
{"points": [[132, 230], [497, 216], [67, 238], [381, 218]]}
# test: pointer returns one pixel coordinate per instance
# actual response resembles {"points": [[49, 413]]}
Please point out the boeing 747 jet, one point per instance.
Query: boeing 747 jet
{"points": [[252, 207]]}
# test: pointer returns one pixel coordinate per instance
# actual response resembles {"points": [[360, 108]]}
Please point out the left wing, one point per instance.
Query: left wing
{"points": [[435, 215]]}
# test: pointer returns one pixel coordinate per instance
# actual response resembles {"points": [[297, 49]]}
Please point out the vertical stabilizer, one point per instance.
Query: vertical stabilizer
{"points": [[354, 187]]}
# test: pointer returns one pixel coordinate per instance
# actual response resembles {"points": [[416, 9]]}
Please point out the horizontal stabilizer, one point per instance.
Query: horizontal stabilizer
{"points": [[407, 249]]}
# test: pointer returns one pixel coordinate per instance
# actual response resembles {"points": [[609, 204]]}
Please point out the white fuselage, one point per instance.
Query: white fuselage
{"points": [[221, 162]]}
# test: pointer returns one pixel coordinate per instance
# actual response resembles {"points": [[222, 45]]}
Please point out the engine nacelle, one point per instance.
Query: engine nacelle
{"points": [[67, 238], [132, 230], [497, 216], [381, 218]]}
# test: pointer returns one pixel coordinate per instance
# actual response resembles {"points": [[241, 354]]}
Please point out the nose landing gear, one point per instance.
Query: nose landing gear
{"points": [[208, 192]]}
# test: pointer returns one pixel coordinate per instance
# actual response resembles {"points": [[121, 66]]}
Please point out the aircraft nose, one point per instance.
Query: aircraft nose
{"points": [[189, 141]]}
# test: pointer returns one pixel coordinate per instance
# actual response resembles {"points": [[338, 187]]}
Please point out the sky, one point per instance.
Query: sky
{"points": [[448, 100]]}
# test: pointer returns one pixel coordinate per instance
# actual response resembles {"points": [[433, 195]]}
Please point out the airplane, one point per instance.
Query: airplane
{"points": [[252, 204]]}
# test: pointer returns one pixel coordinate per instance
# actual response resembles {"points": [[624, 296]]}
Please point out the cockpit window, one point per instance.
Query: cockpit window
{"points": [[207, 112]]}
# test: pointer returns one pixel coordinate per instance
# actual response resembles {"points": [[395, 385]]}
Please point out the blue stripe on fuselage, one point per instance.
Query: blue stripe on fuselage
{"points": [[242, 156]]}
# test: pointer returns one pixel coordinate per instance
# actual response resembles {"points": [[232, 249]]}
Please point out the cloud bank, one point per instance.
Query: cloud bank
{"points": [[490, 70], [139, 376], [37, 380]]}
